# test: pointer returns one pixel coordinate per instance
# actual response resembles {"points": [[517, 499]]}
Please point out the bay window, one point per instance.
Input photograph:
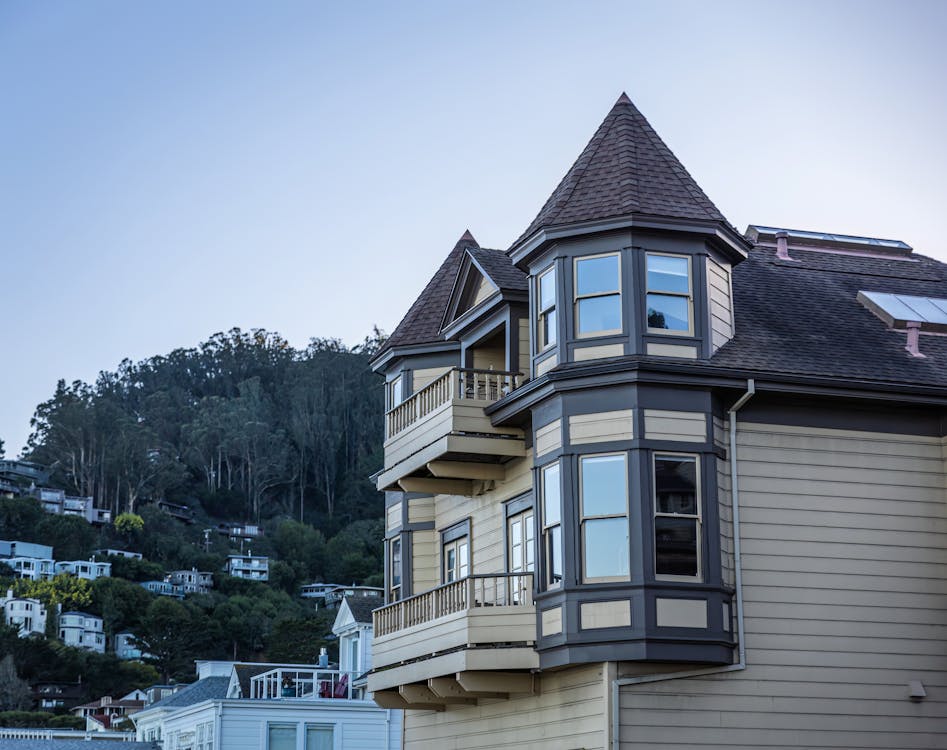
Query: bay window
{"points": [[546, 318], [603, 503], [552, 524], [598, 295], [669, 294], [676, 516]]}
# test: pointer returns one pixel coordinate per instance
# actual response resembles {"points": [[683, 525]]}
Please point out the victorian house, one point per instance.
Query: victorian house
{"points": [[651, 482]]}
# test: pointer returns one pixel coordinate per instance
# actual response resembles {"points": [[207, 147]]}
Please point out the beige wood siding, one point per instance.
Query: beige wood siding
{"points": [[420, 509], [584, 353], [685, 426], [424, 561], [568, 712], [484, 290], [393, 517], [721, 309], [547, 364], [524, 346], [424, 377], [489, 358], [602, 427], [551, 621], [549, 438], [844, 539], [672, 350], [605, 615]]}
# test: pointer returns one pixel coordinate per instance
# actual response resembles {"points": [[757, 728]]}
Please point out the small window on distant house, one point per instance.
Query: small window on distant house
{"points": [[546, 319], [676, 516], [669, 295], [597, 295]]}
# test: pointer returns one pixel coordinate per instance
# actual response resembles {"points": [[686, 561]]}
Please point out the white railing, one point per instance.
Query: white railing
{"points": [[457, 383], [310, 684], [492, 590], [12, 733]]}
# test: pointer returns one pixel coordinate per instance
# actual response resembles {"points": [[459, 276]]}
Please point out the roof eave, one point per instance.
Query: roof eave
{"points": [[725, 237], [380, 364]]}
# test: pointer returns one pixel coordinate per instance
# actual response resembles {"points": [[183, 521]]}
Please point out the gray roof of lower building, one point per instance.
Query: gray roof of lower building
{"points": [[210, 688], [75, 744]]}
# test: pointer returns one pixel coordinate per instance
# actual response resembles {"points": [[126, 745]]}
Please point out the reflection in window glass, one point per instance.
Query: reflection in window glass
{"points": [[597, 295], [546, 318], [669, 301], [677, 516], [604, 516], [552, 524], [319, 738], [281, 737]]}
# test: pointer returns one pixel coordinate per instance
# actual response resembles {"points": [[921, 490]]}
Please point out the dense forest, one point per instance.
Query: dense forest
{"points": [[243, 424], [241, 428]]}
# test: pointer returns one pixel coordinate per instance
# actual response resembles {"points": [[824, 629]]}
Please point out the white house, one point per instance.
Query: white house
{"points": [[27, 614], [87, 569], [32, 568], [191, 581], [82, 630], [252, 567], [236, 706], [124, 646]]}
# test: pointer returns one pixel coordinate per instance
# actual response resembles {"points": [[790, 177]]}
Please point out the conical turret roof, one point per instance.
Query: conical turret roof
{"points": [[626, 168]]}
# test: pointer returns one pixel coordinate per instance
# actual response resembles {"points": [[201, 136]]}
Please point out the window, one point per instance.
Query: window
{"points": [[456, 559], [353, 655], [669, 296], [597, 295], [521, 551], [394, 574], [281, 737], [319, 737], [676, 516], [552, 524], [604, 517], [396, 391], [546, 319]]}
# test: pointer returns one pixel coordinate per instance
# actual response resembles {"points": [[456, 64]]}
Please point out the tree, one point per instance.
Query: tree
{"points": [[64, 590], [120, 603], [355, 553], [298, 641], [14, 693], [166, 632], [129, 524]]}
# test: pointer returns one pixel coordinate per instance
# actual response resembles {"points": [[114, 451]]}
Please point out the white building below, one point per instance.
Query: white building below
{"points": [[29, 615]]}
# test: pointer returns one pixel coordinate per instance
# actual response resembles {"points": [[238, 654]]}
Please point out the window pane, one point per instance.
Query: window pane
{"points": [[396, 394], [549, 328], [281, 737], [671, 313], [547, 290], [599, 314], [596, 275], [606, 548], [675, 543], [319, 738], [667, 274], [463, 558], [396, 562], [554, 550], [451, 563], [552, 511], [604, 485], [675, 481]]}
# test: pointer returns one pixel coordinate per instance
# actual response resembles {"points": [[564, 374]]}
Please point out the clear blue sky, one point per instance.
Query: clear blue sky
{"points": [[171, 169]]}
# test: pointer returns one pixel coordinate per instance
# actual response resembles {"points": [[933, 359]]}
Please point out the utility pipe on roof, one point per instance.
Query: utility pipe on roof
{"points": [[738, 583]]}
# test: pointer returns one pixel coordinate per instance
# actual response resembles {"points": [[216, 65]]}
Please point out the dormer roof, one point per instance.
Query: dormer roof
{"points": [[422, 323], [625, 169], [484, 274]]}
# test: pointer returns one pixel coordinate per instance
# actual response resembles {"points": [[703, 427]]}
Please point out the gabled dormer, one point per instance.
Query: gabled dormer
{"points": [[628, 256]]}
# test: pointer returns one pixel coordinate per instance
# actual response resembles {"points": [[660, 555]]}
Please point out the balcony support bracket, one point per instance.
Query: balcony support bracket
{"points": [[465, 470], [428, 486], [497, 682]]}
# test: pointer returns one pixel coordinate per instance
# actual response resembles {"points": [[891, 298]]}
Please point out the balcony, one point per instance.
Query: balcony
{"points": [[440, 441], [304, 684], [457, 634]]}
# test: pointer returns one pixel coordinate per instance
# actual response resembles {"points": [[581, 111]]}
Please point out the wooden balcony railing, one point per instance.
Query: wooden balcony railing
{"points": [[491, 590], [457, 383]]}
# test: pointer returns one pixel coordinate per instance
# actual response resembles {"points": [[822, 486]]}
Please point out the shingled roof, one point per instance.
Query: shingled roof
{"points": [[422, 323], [362, 607], [626, 168], [801, 317], [500, 269]]}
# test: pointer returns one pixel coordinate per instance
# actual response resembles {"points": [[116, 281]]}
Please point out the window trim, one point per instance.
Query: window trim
{"points": [[547, 529], [395, 592], [699, 517], [583, 518], [542, 313], [451, 536], [576, 297], [285, 725], [689, 297], [317, 725]]}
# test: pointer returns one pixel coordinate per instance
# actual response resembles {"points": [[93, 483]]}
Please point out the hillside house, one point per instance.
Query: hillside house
{"points": [[32, 568], [82, 630], [653, 483], [89, 570], [27, 614], [59, 503], [191, 581], [249, 566]]}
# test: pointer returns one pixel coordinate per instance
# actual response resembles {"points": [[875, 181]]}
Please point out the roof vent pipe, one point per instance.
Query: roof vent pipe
{"points": [[914, 334], [782, 245]]}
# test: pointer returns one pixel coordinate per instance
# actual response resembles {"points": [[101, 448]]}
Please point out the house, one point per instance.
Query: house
{"points": [[317, 590], [109, 552], [87, 569], [333, 598], [82, 630], [191, 581], [163, 588], [32, 568], [175, 510], [651, 482], [123, 645], [105, 713], [24, 549], [29, 615], [249, 566], [59, 503], [48, 696], [235, 706], [240, 531]]}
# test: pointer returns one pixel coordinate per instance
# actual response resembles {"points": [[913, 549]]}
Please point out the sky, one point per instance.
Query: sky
{"points": [[170, 169]]}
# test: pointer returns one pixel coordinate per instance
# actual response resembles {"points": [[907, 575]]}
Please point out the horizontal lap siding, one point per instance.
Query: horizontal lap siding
{"points": [[721, 314], [568, 713], [844, 538]]}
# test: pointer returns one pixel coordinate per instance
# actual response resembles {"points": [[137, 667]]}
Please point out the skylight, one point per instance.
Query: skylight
{"points": [[898, 309], [847, 239]]}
